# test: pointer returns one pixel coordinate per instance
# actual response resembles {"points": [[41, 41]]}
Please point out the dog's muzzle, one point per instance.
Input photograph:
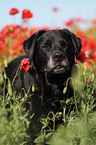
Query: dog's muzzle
{"points": [[58, 63]]}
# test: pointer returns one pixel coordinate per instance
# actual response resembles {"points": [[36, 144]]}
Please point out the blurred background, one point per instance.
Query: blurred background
{"points": [[51, 13]]}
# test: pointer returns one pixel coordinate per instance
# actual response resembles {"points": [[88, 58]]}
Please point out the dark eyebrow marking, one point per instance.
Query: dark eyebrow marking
{"points": [[48, 42], [62, 42]]}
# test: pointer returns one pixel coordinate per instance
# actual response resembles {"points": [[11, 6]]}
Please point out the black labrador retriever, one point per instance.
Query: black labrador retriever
{"points": [[52, 56]]}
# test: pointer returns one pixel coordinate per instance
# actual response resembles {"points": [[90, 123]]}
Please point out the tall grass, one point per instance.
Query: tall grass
{"points": [[78, 126], [14, 119]]}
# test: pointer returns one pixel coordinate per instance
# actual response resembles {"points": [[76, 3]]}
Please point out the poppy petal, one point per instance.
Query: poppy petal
{"points": [[83, 58], [26, 14], [13, 11], [25, 64]]}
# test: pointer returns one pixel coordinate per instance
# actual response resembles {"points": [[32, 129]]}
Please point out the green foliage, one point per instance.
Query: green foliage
{"points": [[13, 120], [79, 131], [79, 124]]}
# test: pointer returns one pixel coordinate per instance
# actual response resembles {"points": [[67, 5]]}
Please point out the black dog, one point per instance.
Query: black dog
{"points": [[52, 56]]}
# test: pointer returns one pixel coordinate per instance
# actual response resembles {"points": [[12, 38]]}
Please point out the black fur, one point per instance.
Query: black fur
{"points": [[52, 56]]}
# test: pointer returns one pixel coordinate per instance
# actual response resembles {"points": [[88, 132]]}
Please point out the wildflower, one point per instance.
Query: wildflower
{"points": [[88, 81], [89, 55], [26, 14], [55, 10], [70, 22], [25, 64], [84, 40], [7, 29], [1, 36], [94, 56], [92, 43], [13, 11], [88, 64], [13, 52], [80, 19], [2, 47], [83, 57]]}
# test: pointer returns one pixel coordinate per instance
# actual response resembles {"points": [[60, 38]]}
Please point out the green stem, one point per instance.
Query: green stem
{"points": [[64, 111], [54, 125]]}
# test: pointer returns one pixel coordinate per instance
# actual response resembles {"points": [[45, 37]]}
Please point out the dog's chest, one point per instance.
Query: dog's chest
{"points": [[51, 97]]}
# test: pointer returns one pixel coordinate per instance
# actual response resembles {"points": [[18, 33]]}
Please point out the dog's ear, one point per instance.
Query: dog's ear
{"points": [[75, 40], [30, 43]]}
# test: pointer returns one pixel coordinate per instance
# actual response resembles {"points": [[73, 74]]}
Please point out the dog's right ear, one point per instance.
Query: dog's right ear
{"points": [[75, 40], [30, 43]]}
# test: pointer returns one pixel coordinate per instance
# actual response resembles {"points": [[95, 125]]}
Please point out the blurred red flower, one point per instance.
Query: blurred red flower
{"points": [[70, 22], [1, 36], [83, 57], [13, 11], [94, 21], [13, 35], [7, 29], [13, 52], [55, 10], [0, 68], [80, 19], [89, 55], [26, 14], [84, 40], [2, 46], [94, 56], [88, 64], [91, 43], [88, 81], [25, 64]]}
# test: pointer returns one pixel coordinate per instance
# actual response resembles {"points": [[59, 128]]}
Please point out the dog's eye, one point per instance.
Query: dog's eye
{"points": [[46, 45]]}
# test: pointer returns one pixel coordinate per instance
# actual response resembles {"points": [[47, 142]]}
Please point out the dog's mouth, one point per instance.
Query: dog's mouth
{"points": [[59, 69]]}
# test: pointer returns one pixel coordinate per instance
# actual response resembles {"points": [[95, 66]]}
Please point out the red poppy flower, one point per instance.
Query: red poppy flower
{"points": [[7, 29], [70, 22], [89, 55], [25, 64], [84, 40], [80, 20], [26, 14], [94, 56], [88, 81], [55, 10], [13, 11], [0, 68], [83, 57]]}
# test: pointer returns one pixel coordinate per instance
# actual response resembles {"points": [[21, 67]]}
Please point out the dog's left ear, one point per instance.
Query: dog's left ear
{"points": [[30, 43], [75, 40]]}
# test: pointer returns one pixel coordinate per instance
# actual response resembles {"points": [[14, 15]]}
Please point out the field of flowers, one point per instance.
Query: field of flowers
{"points": [[79, 125]]}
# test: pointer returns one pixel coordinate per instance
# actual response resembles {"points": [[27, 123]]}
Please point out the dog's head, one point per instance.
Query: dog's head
{"points": [[53, 51]]}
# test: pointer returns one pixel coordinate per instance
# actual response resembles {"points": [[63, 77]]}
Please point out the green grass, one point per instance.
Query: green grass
{"points": [[13, 120], [79, 125]]}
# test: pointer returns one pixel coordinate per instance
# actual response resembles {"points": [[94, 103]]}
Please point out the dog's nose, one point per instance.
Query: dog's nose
{"points": [[58, 56]]}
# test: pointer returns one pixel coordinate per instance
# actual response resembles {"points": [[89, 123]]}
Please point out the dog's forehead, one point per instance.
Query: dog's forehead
{"points": [[54, 35]]}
